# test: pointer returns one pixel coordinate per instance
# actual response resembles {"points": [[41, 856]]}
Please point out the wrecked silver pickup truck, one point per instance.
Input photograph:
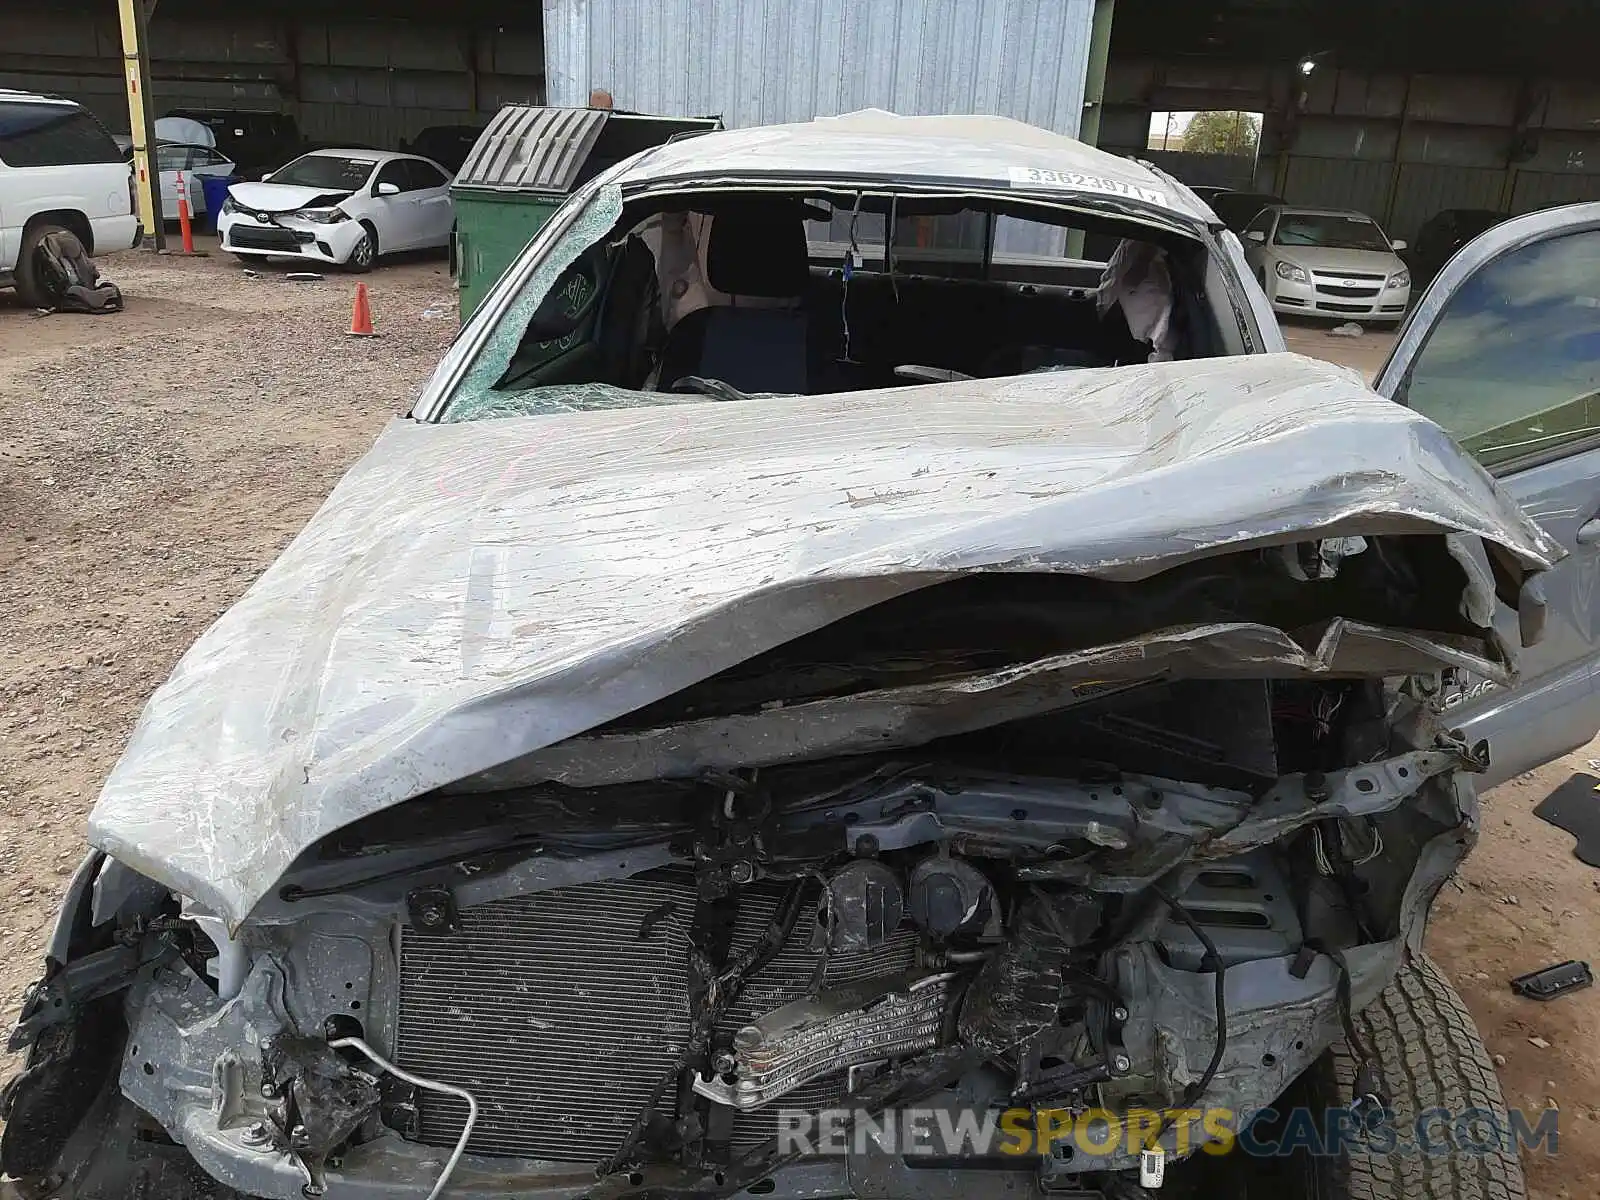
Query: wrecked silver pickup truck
{"points": [[610, 779]]}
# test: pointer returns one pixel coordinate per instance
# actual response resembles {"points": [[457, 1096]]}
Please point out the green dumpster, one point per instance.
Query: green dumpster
{"points": [[524, 165]]}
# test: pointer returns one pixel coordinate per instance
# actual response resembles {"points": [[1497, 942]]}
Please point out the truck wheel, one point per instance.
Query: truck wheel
{"points": [[1429, 1056], [29, 286]]}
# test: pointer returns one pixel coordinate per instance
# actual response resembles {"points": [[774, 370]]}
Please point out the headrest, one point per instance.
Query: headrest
{"points": [[758, 249]]}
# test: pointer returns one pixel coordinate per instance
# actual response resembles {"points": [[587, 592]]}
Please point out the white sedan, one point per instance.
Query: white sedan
{"points": [[343, 207], [1327, 262], [195, 162]]}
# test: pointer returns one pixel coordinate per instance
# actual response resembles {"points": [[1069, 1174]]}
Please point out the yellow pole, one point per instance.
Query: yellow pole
{"points": [[141, 121]]}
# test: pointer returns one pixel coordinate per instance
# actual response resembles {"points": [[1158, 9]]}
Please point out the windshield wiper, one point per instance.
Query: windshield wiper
{"points": [[715, 388]]}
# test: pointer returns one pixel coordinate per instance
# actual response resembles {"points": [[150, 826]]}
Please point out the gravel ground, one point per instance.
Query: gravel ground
{"points": [[154, 462]]}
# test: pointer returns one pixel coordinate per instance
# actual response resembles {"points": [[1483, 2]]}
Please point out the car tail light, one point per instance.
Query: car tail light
{"points": [[133, 194]]}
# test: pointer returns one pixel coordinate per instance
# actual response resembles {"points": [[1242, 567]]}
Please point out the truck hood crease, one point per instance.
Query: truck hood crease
{"points": [[471, 594]]}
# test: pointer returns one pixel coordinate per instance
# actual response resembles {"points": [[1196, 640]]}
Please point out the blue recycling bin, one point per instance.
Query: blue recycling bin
{"points": [[216, 191]]}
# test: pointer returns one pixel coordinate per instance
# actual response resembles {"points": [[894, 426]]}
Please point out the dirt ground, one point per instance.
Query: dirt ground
{"points": [[152, 463]]}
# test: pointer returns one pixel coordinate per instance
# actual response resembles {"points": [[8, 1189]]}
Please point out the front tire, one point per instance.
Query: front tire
{"points": [[1428, 1056], [365, 252]]}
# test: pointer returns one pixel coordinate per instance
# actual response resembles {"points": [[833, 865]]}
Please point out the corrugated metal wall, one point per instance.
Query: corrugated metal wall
{"points": [[1403, 148], [756, 62], [364, 82], [1397, 147], [1338, 183]]}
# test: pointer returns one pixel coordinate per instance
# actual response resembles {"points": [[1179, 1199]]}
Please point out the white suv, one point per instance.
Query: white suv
{"points": [[59, 169]]}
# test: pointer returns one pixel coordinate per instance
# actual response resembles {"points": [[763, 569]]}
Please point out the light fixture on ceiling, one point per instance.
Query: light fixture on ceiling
{"points": [[1310, 62]]}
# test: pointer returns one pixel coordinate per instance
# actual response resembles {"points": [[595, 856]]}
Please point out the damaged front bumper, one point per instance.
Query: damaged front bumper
{"points": [[244, 1075], [287, 237], [207, 1093]]}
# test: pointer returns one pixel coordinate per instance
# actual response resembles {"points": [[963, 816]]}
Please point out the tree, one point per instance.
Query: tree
{"points": [[1222, 133]]}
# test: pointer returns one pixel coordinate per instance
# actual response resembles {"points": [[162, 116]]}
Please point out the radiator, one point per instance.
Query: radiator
{"points": [[555, 1014]]}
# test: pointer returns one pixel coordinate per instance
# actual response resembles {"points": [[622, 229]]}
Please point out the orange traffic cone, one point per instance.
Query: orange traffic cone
{"points": [[183, 216], [361, 315]]}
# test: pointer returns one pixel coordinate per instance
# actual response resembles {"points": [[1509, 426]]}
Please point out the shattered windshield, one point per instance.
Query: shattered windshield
{"points": [[483, 393], [487, 404], [1332, 231], [738, 295]]}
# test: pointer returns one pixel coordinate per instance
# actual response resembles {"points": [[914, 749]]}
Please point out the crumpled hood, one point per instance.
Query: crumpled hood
{"points": [[284, 197], [473, 592]]}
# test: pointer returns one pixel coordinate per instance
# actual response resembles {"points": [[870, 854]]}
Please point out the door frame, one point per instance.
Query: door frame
{"points": [[1565, 691], [1420, 322], [402, 211]]}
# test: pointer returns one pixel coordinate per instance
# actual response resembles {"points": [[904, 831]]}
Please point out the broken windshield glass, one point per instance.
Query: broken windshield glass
{"points": [[555, 398], [483, 391]]}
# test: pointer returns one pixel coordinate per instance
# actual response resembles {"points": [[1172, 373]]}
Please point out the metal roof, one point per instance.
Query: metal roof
{"points": [[955, 151], [542, 149]]}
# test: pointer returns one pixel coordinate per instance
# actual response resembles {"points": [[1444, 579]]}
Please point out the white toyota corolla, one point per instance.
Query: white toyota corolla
{"points": [[340, 206]]}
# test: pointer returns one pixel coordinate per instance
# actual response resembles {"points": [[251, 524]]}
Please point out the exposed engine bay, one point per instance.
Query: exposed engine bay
{"points": [[629, 987]]}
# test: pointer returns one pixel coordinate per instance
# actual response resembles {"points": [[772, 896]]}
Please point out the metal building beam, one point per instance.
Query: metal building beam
{"points": [[1094, 84], [134, 18]]}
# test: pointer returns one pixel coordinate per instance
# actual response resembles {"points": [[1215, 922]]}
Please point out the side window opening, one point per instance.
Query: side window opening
{"points": [[424, 175], [1511, 369], [736, 294], [395, 173], [418, 175]]}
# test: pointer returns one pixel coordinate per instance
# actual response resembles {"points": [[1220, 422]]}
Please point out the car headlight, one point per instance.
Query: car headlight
{"points": [[228, 206], [322, 216], [1287, 270], [1399, 279]]}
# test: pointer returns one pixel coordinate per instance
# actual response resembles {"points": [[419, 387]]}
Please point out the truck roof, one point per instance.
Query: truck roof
{"points": [[983, 152]]}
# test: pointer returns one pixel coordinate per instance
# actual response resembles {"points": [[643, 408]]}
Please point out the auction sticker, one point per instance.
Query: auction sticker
{"points": [[1077, 181]]}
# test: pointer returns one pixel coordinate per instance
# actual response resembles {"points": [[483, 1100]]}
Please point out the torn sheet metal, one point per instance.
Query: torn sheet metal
{"points": [[919, 713], [473, 593]]}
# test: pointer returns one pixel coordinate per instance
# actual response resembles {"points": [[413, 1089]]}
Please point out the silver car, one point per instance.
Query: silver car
{"points": [[693, 755], [1323, 262]]}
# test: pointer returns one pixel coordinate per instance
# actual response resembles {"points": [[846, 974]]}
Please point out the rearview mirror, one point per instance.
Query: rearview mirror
{"points": [[388, 189], [1398, 244], [267, 177], [1256, 235]]}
